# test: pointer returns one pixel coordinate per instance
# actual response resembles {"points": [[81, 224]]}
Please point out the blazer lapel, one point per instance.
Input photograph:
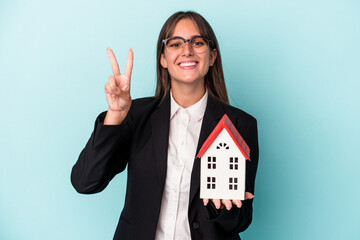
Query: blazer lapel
{"points": [[160, 123], [213, 113]]}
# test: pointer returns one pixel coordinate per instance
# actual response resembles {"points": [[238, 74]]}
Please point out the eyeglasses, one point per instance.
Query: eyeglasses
{"points": [[176, 44]]}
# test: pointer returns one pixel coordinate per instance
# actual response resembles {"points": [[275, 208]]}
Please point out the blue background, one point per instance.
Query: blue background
{"points": [[294, 65]]}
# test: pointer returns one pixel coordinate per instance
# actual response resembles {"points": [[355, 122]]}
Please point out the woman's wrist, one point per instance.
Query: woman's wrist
{"points": [[114, 117]]}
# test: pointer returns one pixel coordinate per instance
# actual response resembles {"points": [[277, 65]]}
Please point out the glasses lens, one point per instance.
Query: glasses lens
{"points": [[174, 44], [199, 44]]}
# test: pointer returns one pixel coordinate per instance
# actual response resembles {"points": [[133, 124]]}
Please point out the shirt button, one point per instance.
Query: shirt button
{"points": [[195, 225]]}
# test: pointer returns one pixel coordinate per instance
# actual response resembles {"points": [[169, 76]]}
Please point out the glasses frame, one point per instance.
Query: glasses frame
{"points": [[209, 42]]}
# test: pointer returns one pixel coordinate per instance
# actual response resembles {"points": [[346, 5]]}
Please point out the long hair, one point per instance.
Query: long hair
{"points": [[214, 79]]}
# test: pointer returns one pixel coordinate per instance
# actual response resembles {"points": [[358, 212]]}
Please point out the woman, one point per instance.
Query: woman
{"points": [[157, 138]]}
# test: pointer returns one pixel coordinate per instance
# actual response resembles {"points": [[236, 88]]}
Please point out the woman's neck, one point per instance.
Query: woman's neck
{"points": [[187, 95]]}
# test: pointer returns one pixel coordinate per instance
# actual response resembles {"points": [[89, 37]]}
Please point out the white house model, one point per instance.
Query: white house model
{"points": [[223, 157]]}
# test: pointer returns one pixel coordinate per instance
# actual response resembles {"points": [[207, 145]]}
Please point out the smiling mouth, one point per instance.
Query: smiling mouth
{"points": [[187, 64]]}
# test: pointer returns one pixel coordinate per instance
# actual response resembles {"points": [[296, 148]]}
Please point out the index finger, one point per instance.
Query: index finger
{"points": [[113, 62], [129, 63]]}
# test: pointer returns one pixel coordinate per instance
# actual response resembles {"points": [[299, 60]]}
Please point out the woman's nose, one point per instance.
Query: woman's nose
{"points": [[187, 49]]}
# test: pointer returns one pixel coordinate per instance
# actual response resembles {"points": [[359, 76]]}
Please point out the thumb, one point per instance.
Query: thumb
{"points": [[248, 195]]}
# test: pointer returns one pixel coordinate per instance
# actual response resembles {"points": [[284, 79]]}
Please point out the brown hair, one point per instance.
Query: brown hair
{"points": [[214, 79]]}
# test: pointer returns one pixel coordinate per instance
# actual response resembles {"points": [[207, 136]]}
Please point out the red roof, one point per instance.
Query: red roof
{"points": [[226, 123]]}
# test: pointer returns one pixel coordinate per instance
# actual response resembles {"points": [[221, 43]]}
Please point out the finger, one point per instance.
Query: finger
{"points": [[113, 89], [227, 203], [248, 195], [238, 203], [107, 88], [205, 201], [109, 98], [216, 203], [109, 91], [112, 82], [129, 63], [113, 62], [124, 84]]}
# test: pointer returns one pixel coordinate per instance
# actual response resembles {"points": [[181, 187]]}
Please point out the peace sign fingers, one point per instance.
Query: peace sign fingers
{"points": [[117, 90], [113, 62]]}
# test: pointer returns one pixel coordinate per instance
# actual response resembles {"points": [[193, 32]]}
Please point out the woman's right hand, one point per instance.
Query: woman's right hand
{"points": [[117, 90]]}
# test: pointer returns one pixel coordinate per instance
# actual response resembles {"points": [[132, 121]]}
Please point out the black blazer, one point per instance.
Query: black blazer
{"points": [[141, 144]]}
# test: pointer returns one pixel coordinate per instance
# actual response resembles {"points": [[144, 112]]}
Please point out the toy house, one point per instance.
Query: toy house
{"points": [[223, 165]]}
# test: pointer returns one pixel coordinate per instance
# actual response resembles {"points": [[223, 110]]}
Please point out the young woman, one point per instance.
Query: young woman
{"points": [[157, 139]]}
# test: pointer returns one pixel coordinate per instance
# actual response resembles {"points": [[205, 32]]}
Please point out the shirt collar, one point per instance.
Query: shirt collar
{"points": [[196, 110]]}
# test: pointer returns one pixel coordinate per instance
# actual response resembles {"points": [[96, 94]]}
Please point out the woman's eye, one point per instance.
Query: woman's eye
{"points": [[175, 45], [198, 43]]}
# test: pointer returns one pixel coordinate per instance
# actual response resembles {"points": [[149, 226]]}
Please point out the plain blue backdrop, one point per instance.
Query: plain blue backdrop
{"points": [[294, 65]]}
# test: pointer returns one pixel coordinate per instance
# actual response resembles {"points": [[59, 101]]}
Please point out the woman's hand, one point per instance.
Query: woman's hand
{"points": [[221, 203], [117, 90]]}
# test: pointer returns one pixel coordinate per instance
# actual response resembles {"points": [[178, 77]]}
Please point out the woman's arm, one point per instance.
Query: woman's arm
{"points": [[106, 152], [105, 155]]}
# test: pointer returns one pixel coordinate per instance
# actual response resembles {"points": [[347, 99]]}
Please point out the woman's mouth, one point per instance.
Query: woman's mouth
{"points": [[188, 65]]}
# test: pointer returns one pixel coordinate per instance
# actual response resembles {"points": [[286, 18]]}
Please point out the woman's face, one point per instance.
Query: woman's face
{"points": [[186, 66]]}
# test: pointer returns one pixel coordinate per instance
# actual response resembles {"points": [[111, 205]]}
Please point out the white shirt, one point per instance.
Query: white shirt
{"points": [[185, 125]]}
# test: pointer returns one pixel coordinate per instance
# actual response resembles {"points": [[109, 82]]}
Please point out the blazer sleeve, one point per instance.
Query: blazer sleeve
{"points": [[238, 219], [105, 155]]}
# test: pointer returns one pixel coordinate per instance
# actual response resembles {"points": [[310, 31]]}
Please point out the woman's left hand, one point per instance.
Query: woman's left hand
{"points": [[227, 203]]}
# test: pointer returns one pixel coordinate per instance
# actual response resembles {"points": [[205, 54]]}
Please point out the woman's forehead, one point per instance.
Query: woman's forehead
{"points": [[185, 28]]}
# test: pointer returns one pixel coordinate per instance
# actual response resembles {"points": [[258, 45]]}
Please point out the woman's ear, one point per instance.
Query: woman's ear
{"points": [[213, 55], [163, 61]]}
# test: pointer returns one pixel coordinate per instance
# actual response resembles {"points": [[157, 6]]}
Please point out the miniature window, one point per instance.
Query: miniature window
{"points": [[234, 163], [211, 162], [222, 145], [233, 183], [211, 181]]}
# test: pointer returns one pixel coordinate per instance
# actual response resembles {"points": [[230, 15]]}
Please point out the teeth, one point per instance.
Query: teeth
{"points": [[186, 64]]}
